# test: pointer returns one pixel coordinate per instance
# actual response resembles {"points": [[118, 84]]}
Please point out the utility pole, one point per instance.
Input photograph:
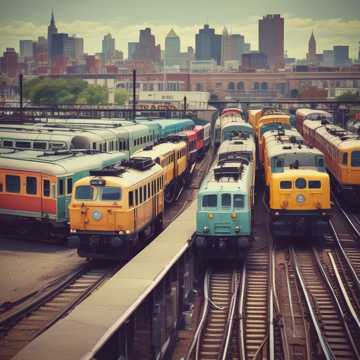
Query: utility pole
{"points": [[21, 92], [134, 95]]}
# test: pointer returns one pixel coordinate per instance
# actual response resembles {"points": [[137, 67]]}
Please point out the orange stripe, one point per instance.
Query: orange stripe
{"points": [[27, 203]]}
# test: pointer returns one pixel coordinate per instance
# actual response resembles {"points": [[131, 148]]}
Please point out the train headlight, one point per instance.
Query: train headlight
{"points": [[300, 199], [233, 215], [121, 232], [73, 231], [206, 229], [97, 215], [237, 229], [127, 232], [210, 215]]}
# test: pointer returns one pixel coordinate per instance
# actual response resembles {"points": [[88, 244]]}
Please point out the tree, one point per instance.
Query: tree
{"points": [[46, 91], [121, 96], [93, 95]]}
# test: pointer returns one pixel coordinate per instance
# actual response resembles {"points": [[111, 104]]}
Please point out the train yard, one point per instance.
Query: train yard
{"points": [[265, 259]]}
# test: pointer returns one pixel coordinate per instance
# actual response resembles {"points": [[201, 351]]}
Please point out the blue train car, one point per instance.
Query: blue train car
{"points": [[170, 126], [225, 203]]}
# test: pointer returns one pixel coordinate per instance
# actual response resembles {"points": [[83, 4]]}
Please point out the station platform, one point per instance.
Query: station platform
{"points": [[90, 325]]}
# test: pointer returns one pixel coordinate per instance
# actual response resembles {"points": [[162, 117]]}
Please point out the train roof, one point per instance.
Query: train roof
{"points": [[128, 177], [57, 163], [159, 149], [306, 112], [238, 144], [242, 184], [344, 140]]}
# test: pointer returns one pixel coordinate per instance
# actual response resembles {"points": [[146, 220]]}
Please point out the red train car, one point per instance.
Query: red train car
{"points": [[200, 146]]}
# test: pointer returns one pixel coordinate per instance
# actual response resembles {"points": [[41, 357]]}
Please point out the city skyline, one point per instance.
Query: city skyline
{"points": [[328, 32]]}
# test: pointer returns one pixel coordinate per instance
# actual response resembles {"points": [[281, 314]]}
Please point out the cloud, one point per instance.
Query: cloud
{"points": [[328, 32]]}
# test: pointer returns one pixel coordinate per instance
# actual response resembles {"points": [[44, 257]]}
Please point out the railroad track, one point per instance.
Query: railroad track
{"points": [[17, 330], [326, 312], [256, 308]]}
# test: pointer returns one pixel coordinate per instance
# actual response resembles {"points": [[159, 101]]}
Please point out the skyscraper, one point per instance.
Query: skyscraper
{"points": [[10, 63], [146, 48], [341, 55], [26, 48], [131, 49], [312, 49], [108, 48], [52, 29], [172, 48], [59, 46], [208, 45], [227, 49], [271, 39]]}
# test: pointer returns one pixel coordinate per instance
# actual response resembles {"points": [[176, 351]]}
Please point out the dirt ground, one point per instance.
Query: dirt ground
{"points": [[26, 267]]}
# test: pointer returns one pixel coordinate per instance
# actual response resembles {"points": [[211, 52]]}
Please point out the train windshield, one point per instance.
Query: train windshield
{"points": [[355, 159], [110, 193], [84, 192], [209, 201], [239, 201]]}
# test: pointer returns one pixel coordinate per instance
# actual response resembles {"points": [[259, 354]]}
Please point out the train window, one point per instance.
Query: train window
{"points": [[355, 158], [84, 192], [209, 201], [157, 184], [111, 193], [127, 144], [101, 148], [321, 162], [141, 195], [94, 146], [149, 191], [226, 200], [12, 183], [46, 188], [300, 183], [69, 185], [285, 185], [105, 147], [239, 201], [23, 144], [1, 187], [39, 145], [345, 159], [61, 187], [136, 197], [314, 184], [7, 143], [31, 185], [153, 188], [131, 199], [145, 192]]}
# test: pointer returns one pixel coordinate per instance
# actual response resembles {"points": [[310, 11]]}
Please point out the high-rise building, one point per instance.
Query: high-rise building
{"points": [[208, 45], [239, 46], [328, 58], [254, 60], [131, 50], [26, 48], [78, 44], [311, 55], [227, 49], [271, 39], [59, 46], [146, 48], [341, 55], [172, 48], [108, 48], [9, 63], [52, 29]]}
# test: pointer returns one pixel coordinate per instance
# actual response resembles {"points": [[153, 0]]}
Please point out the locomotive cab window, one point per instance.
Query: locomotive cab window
{"points": [[226, 200], [300, 183], [7, 143], [31, 185], [12, 183], [39, 145], [46, 188], [285, 185], [84, 192], [314, 184], [131, 199], [209, 201], [61, 189], [239, 201], [69, 185], [355, 159], [111, 193]]}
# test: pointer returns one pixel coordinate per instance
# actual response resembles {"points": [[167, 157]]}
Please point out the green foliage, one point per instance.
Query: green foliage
{"points": [[121, 96], [93, 95], [46, 91], [348, 96]]}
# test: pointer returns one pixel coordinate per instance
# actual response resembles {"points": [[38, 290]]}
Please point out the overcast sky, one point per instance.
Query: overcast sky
{"points": [[333, 22]]}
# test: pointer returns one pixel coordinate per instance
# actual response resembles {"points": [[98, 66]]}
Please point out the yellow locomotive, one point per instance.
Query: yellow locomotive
{"points": [[116, 210], [297, 183]]}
